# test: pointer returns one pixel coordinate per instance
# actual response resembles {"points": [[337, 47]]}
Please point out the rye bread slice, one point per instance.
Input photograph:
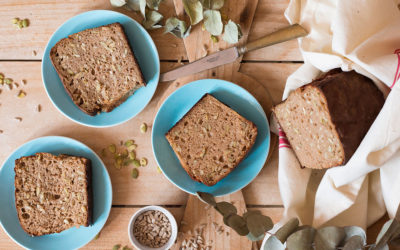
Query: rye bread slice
{"points": [[97, 68], [52, 193], [326, 120], [211, 140]]}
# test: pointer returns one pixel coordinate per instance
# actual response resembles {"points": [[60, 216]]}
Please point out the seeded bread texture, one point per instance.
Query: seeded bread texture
{"points": [[211, 140], [326, 120], [52, 193], [97, 68]]}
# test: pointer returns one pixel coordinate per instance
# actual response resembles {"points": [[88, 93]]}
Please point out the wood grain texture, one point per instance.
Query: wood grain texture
{"points": [[47, 15]]}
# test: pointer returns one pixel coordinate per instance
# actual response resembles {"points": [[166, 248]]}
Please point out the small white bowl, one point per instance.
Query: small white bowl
{"points": [[171, 219]]}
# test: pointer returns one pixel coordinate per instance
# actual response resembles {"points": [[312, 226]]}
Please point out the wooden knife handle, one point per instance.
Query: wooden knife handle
{"points": [[282, 35]]}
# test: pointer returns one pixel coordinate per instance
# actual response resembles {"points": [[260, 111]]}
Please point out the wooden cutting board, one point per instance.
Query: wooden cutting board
{"points": [[199, 218]]}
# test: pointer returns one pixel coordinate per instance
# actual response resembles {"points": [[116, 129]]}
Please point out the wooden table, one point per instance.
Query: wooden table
{"points": [[20, 58]]}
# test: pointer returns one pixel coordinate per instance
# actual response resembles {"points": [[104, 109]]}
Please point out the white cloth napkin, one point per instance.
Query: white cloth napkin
{"points": [[362, 35]]}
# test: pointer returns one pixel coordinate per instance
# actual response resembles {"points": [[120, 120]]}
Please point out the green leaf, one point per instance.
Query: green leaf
{"points": [[273, 243], [232, 32], [258, 224], [137, 5], [206, 198], [351, 231], [118, 3], [328, 238], [251, 237], [213, 22], [226, 208], [194, 10], [152, 20], [177, 27], [302, 239], [283, 233], [238, 224], [354, 243], [213, 4], [388, 230], [153, 4]]}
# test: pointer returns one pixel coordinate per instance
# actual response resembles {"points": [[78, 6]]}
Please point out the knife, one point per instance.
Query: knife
{"points": [[231, 54]]}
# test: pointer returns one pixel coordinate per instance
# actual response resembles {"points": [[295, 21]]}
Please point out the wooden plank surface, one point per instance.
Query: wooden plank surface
{"points": [[46, 15]]}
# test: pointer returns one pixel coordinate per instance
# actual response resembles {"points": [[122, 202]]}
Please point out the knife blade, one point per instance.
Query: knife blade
{"points": [[231, 54]]}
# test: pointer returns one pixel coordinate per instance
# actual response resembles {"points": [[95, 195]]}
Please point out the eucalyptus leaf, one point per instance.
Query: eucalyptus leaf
{"points": [[351, 231], [232, 32], [213, 4], [205, 197], [152, 20], [118, 3], [258, 224], [388, 230], [178, 28], [302, 239], [396, 239], [354, 243], [226, 208], [153, 4], [328, 238], [213, 22], [137, 5], [238, 224], [250, 213], [251, 237], [283, 233], [273, 243], [194, 9]]}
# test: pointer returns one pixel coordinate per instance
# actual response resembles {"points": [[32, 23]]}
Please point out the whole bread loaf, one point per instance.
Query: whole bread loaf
{"points": [[97, 68], [211, 140], [326, 120], [52, 193]]}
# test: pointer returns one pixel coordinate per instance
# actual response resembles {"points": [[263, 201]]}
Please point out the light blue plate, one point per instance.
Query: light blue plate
{"points": [[146, 55], [72, 238], [179, 103]]}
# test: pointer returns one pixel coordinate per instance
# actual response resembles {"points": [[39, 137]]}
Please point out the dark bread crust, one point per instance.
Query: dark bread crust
{"points": [[186, 167], [65, 82]]}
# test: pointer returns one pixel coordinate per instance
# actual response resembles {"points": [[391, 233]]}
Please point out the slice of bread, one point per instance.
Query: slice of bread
{"points": [[97, 68], [326, 120], [211, 140], [52, 193]]}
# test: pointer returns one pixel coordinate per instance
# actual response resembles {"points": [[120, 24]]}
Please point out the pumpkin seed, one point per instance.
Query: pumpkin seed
{"points": [[112, 148], [214, 39], [135, 173], [143, 162], [25, 23], [8, 80], [136, 163], [159, 170], [132, 155], [132, 147], [116, 247], [143, 128], [129, 143], [15, 20]]}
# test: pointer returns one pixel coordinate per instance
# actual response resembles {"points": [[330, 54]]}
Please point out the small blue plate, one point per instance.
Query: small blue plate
{"points": [[72, 238], [179, 103], [146, 55]]}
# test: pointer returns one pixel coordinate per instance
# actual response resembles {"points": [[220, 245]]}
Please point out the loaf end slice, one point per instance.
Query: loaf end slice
{"points": [[211, 140], [97, 67], [52, 193]]}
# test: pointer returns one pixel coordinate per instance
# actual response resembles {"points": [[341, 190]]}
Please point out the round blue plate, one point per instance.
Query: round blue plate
{"points": [[146, 55], [72, 238], [179, 103]]}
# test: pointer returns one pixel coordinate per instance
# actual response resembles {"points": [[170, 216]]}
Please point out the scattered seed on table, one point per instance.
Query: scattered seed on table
{"points": [[135, 173], [143, 128], [38, 108], [18, 118]]}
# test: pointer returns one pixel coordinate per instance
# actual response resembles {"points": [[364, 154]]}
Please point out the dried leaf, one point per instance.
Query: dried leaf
{"points": [[118, 3], [354, 243], [194, 10], [328, 238], [251, 237], [176, 27], [302, 239], [226, 208], [386, 233], [283, 233], [213, 4], [152, 20], [258, 224], [137, 5], [153, 4], [238, 224], [232, 32], [206, 198], [273, 243], [213, 22], [351, 231]]}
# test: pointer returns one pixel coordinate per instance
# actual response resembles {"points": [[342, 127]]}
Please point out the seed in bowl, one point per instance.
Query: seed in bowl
{"points": [[152, 228]]}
